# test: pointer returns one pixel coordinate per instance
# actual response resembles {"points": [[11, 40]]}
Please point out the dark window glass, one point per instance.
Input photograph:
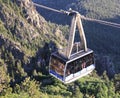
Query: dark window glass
{"points": [[57, 65], [79, 64]]}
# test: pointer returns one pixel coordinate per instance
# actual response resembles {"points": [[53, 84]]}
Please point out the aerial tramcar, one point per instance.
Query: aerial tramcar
{"points": [[76, 60]]}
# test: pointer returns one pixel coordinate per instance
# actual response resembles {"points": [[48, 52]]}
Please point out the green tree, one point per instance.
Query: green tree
{"points": [[31, 87], [117, 82], [4, 81], [102, 91], [20, 70], [77, 92]]}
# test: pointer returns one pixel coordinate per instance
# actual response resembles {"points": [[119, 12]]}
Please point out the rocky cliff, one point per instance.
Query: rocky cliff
{"points": [[23, 34]]}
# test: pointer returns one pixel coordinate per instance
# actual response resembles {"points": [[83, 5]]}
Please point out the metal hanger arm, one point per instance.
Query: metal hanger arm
{"points": [[76, 22]]}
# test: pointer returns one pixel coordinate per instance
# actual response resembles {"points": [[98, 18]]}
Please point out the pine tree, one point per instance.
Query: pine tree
{"points": [[4, 82], [78, 94], [31, 87]]}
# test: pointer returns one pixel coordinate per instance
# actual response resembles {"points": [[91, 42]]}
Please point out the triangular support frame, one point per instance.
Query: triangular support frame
{"points": [[76, 22]]}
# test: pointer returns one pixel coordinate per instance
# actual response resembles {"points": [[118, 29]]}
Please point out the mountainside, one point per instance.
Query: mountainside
{"points": [[23, 30], [17, 26], [23, 33], [26, 42]]}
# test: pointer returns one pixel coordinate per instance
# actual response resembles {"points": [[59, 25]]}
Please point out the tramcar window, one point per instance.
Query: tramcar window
{"points": [[79, 64], [89, 60], [73, 67], [57, 66]]}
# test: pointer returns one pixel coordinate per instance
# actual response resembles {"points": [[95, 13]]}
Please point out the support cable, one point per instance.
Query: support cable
{"points": [[112, 24], [116, 25], [48, 8]]}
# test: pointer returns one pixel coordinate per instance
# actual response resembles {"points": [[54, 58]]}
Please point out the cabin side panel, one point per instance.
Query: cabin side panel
{"points": [[57, 67]]}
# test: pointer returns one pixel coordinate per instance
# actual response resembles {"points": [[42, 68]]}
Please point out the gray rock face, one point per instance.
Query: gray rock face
{"points": [[32, 15]]}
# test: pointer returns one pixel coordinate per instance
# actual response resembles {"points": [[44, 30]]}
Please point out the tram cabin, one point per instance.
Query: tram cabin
{"points": [[69, 70]]}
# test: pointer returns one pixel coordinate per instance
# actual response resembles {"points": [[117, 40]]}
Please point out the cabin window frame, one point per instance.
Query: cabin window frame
{"points": [[78, 60]]}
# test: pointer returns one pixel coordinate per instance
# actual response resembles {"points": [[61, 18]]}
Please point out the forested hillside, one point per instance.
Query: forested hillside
{"points": [[27, 40]]}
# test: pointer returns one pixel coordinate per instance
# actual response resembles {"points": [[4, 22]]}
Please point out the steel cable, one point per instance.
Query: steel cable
{"points": [[116, 25]]}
